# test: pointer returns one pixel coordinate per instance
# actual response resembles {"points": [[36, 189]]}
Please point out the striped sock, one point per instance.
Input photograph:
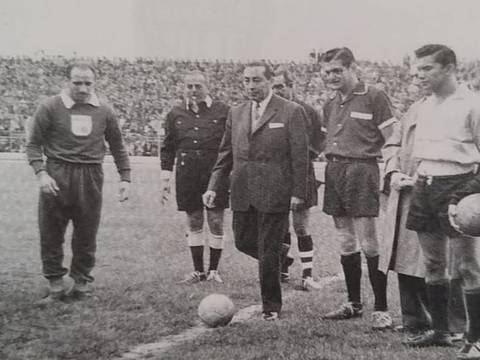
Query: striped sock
{"points": [[305, 249]]}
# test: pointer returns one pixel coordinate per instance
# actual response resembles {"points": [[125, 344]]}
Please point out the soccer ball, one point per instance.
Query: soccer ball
{"points": [[468, 215], [216, 310]]}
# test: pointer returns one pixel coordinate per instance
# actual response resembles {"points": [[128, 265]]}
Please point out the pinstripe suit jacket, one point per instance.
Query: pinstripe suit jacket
{"points": [[268, 165]]}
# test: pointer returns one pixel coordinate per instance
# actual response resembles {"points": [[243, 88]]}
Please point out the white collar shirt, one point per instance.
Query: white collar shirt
{"points": [[69, 102]]}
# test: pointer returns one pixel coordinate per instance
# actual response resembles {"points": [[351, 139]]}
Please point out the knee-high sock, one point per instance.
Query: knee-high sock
{"points": [[472, 300], [438, 299], [197, 257], [378, 280], [286, 262], [305, 248], [215, 255], [352, 268]]}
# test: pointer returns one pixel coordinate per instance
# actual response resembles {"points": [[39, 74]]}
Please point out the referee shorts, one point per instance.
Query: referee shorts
{"points": [[193, 169], [352, 187]]}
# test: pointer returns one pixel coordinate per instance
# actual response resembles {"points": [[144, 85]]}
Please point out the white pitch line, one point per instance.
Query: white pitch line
{"points": [[147, 351]]}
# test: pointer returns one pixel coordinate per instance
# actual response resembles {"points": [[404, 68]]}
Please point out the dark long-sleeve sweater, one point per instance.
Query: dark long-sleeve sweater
{"points": [[75, 134]]}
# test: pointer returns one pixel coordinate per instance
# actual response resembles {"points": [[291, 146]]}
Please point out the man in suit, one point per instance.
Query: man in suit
{"points": [[283, 85], [265, 148]]}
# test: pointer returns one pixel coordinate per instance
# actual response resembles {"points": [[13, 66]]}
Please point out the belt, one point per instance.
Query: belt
{"points": [[184, 152], [344, 159], [73, 163], [429, 179]]}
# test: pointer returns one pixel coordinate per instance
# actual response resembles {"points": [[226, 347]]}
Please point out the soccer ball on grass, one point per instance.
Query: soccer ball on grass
{"points": [[216, 310]]}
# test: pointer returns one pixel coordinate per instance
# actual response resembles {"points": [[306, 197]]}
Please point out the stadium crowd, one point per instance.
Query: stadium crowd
{"points": [[144, 90]]}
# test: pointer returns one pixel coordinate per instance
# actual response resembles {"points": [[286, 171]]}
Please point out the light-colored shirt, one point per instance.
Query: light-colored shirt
{"points": [[447, 139], [262, 104], [208, 101]]}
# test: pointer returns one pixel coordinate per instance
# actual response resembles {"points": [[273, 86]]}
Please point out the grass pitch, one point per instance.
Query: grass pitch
{"points": [[142, 253]]}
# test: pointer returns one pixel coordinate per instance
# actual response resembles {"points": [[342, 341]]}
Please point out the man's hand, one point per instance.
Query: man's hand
{"points": [[47, 184], [452, 214], [165, 191], [296, 203], [165, 179], [123, 191], [400, 180], [209, 198]]}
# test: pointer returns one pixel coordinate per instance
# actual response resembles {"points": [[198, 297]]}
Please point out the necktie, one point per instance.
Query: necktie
{"points": [[194, 107], [256, 115]]}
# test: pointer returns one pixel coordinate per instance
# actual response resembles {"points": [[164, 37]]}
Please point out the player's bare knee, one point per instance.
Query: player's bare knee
{"points": [[348, 248], [195, 221], [216, 227], [435, 272], [470, 273], [215, 221]]}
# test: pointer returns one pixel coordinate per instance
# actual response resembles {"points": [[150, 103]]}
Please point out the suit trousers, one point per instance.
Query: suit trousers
{"points": [[260, 235], [413, 302]]}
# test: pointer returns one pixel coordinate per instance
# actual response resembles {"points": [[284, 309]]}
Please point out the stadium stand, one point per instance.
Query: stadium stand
{"points": [[144, 90]]}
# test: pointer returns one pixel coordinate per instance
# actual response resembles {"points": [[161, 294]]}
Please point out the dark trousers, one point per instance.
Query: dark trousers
{"points": [[260, 235], [79, 200], [413, 302], [415, 305]]}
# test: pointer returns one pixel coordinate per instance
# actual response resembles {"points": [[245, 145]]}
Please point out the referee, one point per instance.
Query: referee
{"points": [[193, 131]]}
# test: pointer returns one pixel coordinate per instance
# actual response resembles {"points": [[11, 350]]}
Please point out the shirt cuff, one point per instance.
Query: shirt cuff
{"points": [[38, 165], [165, 175]]}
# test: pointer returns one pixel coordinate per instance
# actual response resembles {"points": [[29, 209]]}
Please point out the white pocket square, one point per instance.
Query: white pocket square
{"points": [[361, 115], [276, 125]]}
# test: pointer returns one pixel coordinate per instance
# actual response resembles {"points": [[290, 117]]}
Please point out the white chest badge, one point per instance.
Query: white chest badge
{"points": [[81, 125], [361, 115]]}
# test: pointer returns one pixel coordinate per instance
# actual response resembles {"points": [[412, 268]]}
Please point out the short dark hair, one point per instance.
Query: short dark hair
{"points": [[82, 65], [268, 69], [196, 72], [343, 54], [286, 75], [441, 54]]}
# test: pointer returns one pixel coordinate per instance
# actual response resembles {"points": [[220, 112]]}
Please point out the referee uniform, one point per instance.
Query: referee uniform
{"points": [[193, 132], [193, 140], [355, 135]]}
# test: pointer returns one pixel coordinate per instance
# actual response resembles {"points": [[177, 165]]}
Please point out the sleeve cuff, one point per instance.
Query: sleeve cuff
{"points": [[125, 175], [38, 165], [165, 175], [453, 201]]}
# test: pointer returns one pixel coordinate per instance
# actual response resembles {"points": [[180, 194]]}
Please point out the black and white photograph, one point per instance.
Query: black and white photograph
{"points": [[239, 180]]}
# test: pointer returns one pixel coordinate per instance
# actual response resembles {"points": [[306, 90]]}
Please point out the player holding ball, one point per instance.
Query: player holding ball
{"points": [[447, 145]]}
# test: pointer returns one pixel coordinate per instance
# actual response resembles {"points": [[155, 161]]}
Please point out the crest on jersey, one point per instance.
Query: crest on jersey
{"points": [[81, 125]]}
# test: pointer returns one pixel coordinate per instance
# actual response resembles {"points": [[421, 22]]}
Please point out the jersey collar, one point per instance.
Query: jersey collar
{"points": [[360, 89], [69, 102]]}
